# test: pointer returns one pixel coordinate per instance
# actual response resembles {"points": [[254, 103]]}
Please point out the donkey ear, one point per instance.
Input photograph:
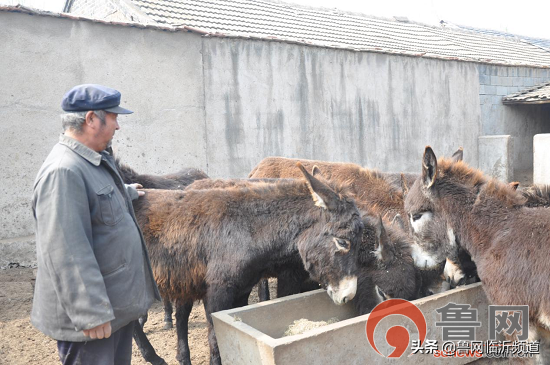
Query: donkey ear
{"points": [[514, 185], [458, 155], [429, 167], [381, 236], [398, 220], [315, 171], [382, 296], [404, 185], [322, 195]]}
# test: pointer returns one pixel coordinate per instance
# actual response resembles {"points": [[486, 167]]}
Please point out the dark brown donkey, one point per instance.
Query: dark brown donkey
{"points": [[375, 193], [216, 244], [385, 265], [536, 195], [384, 257], [508, 242], [175, 181]]}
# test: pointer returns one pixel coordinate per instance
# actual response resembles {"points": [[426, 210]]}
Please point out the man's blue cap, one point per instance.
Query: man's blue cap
{"points": [[83, 98]]}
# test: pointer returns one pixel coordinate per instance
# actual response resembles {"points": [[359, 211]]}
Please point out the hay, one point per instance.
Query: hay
{"points": [[300, 326]]}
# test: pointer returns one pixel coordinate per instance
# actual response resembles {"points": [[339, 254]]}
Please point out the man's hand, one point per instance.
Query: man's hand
{"points": [[99, 332], [138, 186]]}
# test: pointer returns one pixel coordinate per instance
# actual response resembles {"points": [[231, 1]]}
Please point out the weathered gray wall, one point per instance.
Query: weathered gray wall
{"points": [[222, 104], [267, 98], [159, 74], [522, 122]]}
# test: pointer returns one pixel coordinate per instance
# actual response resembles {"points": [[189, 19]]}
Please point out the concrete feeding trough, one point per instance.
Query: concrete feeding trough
{"points": [[255, 334]]}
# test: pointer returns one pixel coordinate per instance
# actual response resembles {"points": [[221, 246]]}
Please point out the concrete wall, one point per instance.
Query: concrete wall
{"points": [[496, 156], [522, 122], [541, 168], [159, 74], [222, 104], [268, 98]]}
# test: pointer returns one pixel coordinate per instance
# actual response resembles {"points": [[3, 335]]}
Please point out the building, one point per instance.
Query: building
{"points": [[221, 86]]}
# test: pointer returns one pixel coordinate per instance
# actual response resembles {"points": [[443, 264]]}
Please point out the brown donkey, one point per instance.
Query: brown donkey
{"points": [[384, 257], [508, 242], [174, 181], [536, 195], [375, 193], [216, 244]]}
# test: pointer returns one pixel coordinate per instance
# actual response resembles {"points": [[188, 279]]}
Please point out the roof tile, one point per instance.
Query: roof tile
{"points": [[327, 27]]}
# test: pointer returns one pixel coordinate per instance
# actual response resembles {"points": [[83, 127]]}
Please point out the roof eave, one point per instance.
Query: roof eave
{"points": [[526, 102]]}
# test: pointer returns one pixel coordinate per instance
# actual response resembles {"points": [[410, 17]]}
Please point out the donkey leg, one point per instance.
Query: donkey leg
{"points": [[544, 355], [183, 310], [290, 282], [241, 301], [217, 299], [168, 314], [263, 290], [145, 347], [366, 298], [142, 320]]}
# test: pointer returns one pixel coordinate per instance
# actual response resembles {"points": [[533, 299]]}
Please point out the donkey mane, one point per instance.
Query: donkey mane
{"points": [[125, 170], [283, 187], [536, 195], [461, 172], [284, 167], [177, 180], [467, 175]]}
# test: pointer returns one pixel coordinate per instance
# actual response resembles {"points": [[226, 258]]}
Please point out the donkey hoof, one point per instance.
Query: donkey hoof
{"points": [[168, 325]]}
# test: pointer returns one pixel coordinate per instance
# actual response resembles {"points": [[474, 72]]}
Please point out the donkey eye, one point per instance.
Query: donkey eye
{"points": [[416, 216], [342, 244]]}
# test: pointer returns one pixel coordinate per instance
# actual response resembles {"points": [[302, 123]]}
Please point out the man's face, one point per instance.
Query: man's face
{"points": [[106, 129]]}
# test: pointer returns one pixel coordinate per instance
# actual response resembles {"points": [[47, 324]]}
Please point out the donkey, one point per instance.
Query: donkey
{"points": [[507, 241], [374, 192], [178, 180], [368, 187], [175, 181], [216, 244], [385, 265], [536, 195]]}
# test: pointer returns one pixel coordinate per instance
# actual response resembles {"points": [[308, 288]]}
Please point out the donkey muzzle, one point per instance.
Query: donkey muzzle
{"points": [[345, 292]]}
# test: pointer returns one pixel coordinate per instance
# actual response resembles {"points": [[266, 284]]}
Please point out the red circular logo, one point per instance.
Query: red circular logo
{"points": [[397, 336]]}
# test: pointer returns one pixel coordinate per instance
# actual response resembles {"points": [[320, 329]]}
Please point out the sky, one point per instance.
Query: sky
{"points": [[530, 18]]}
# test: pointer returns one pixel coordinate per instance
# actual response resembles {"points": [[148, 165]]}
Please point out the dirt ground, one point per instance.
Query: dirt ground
{"points": [[22, 344]]}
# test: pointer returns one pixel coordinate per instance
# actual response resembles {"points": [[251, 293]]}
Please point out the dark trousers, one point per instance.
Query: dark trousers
{"points": [[115, 350]]}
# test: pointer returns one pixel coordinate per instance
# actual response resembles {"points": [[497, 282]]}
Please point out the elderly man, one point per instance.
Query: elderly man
{"points": [[94, 276]]}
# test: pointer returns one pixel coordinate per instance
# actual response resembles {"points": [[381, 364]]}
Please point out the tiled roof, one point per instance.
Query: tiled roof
{"points": [[267, 19], [541, 42], [534, 95]]}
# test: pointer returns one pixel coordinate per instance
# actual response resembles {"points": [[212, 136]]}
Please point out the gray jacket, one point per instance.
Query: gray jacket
{"points": [[93, 265]]}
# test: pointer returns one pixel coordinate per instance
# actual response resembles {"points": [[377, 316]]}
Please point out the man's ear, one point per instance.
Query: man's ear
{"points": [[89, 118]]}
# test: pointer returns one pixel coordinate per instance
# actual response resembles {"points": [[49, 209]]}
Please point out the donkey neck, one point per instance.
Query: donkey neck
{"points": [[276, 213], [479, 216]]}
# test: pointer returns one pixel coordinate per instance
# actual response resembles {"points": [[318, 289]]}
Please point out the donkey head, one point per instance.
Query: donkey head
{"points": [[395, 274], [329, 246], [434, 238]]}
